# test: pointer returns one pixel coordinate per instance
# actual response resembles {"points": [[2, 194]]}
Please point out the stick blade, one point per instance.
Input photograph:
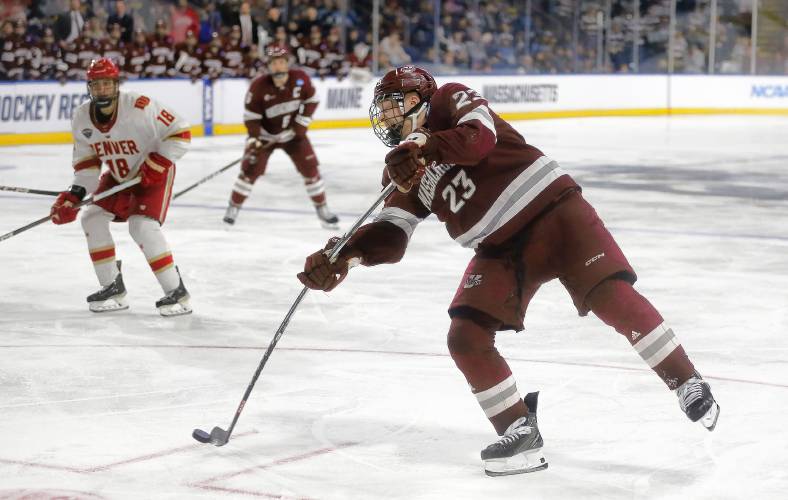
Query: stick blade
{"points": [[217, 437]]}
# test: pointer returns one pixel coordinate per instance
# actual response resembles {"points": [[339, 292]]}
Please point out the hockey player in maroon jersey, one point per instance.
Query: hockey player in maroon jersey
{"points": [[134, 136], [137, 56], [46, 63], [18, 58], [213, 60], [188, 57], [279, 108], [234, 54], [528, 223], [162, 53], [113, 47]]}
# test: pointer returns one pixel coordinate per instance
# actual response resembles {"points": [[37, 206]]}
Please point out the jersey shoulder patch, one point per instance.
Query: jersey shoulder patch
{"points": [[141, 102]]}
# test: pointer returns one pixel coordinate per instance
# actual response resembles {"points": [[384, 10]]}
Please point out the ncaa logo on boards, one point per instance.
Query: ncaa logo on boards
{"points": [[87, 132], [472, 280]]}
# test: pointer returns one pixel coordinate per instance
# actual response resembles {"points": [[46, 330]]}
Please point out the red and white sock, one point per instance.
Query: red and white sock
{"points": [[95, 222], [148, 235]]}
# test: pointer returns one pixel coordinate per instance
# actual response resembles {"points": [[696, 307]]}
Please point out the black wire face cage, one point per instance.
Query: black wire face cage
{"points": [[387, 117], [103, 101]]}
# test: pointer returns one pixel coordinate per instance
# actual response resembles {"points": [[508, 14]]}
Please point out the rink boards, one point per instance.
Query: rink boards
{"points": [[40, 112]]}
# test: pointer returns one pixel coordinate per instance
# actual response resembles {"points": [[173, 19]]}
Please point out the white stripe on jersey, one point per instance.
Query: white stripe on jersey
{"points": [[400, 218], [251, 115], [482, 114], [303, 120], [517, 195], [282, 108]]}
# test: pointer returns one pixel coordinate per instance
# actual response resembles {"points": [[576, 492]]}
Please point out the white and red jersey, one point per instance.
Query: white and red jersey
{"points": [[141, 130]]}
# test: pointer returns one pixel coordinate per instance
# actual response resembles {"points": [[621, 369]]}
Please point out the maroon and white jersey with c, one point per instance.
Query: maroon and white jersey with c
{"points": [[488, 184], [279, 109]]}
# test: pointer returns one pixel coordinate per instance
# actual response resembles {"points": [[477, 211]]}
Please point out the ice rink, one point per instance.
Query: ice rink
{"points": [[360, 400]]}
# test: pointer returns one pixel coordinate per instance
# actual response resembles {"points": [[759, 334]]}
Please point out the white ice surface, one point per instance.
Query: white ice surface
{"points": [[360, 400]]}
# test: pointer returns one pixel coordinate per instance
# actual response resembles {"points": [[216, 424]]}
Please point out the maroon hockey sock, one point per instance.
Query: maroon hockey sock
{"points": [[237, 198], [242, 189], [618, 304], [315, 189], [472, 348]]}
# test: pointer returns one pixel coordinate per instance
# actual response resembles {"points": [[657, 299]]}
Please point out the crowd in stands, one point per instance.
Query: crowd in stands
{"points": [[57, 39]]}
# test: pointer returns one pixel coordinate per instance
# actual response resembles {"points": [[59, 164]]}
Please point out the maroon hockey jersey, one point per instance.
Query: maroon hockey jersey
{"points": [[278, 109], [485, 184]]}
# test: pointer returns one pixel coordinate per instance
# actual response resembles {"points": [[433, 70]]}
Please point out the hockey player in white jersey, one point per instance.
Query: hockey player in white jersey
{"points": [[133, 135]]}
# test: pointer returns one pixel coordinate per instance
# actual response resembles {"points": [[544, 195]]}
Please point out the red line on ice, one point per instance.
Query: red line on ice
{"points": [[206, 483], [112, 465]]}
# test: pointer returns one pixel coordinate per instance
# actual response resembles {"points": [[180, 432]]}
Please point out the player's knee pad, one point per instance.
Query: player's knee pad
{"points": [[252, 170], [468, 338], [308, 170], [618, 304], [144, 230], [95, 220]]}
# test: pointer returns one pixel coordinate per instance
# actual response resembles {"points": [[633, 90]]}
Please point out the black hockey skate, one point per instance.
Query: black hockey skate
{"points": [[328, 219], [176, 302], [696, 400], [520, 448], [231, 213], [111, 297]]}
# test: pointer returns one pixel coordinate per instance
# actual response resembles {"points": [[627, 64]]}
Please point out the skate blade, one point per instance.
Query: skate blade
{"points": [[331, 226], [177, 309], [229, 221], [522, 463], [709, 420], [112, 304]]}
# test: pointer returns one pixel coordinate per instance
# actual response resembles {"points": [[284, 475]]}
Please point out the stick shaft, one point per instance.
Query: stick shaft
{"points": [[205, 179], [29, 190], [281, 330], [88, 201]]}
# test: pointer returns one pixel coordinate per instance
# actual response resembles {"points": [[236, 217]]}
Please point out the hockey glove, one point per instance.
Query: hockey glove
{"points": [[320, 274], [154, 170], [429, 149], [405, 166], [64, 210], [252, 149]]}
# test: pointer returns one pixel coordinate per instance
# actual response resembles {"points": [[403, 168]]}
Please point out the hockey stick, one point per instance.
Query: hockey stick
{"points": [[219, 436], [211, 176], [90, 200], [207, 178], [30, 191]]}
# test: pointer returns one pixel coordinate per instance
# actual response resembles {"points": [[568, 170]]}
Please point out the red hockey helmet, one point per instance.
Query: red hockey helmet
{"points": [[103, 68], [387, 112]]}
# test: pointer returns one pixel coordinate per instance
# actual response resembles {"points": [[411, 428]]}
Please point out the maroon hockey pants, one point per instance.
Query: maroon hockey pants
{"points": [[471, 342]]}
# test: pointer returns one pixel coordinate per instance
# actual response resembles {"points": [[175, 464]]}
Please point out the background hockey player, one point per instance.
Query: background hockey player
{"points": [[279, 108], [528, 223], [132, 135]]}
